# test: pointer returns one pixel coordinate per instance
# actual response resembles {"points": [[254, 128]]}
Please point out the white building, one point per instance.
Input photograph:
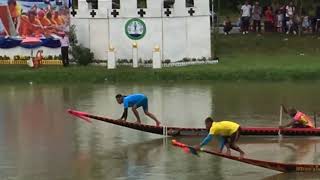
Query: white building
{"points": [[179, 31]]}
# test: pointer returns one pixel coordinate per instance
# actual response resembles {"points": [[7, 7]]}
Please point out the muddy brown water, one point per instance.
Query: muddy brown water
{"points": [[39, 140]]}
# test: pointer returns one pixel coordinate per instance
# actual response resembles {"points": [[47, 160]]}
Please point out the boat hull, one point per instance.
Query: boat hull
{"points": [[177, 131]]}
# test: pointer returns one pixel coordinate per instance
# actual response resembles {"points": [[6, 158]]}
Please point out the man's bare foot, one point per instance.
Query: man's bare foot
{"points": [[228, 153], [158, 123], [138, 122]]}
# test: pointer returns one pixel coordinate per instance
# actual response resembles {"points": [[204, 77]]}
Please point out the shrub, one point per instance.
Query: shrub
{"points": [[82, 55], [167, 61], [148, 61], [186, 59], [6, 57]]}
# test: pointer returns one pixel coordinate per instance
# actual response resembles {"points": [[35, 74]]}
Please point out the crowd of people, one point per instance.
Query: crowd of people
{"points": [[283, 19], [38, 21]]}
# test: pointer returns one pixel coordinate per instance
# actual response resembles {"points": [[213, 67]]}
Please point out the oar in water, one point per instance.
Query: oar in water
{"points": [[185, 148], [79, 114], [280, 122]]}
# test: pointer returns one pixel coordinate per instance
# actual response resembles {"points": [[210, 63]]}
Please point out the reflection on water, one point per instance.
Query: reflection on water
{"points": [[39, 140]]}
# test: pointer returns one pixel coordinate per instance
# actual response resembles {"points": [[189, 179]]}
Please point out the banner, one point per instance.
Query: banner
{"points": [[43, 20]]}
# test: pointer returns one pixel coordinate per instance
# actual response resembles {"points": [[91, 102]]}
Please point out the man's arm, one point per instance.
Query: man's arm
{"points": [[124, 114], [206, 140], [287, 125]]}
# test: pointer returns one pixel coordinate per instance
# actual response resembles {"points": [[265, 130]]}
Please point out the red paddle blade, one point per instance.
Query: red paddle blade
{"points": [[79, 114], [185, 148]]}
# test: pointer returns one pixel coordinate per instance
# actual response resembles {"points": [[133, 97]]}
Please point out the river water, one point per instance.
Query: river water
{"points": [[39, 140]]}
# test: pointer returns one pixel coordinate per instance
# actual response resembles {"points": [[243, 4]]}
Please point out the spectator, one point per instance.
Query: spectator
{"points": [[256, 16], [269, 21], [227, 26], [290, 12], [306, 23], [38, 59], [317, 19], [64, 40], [291, 26], [279, 20], [245, 17]]}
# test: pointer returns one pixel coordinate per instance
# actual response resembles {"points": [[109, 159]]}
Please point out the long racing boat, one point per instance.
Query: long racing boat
{"points": [[178, 131]]}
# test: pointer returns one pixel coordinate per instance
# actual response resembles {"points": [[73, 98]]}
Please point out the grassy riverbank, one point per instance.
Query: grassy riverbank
{"points": [[259, 58]]}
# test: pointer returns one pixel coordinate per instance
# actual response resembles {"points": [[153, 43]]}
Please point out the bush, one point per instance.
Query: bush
{"points": [[167, 61], [82, 55]]}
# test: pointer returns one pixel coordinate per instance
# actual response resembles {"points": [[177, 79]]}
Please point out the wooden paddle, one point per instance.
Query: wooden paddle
{"points": [[186, 149], [280, 122]]}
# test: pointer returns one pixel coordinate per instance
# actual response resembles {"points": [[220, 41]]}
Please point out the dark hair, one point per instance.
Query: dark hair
{"points": [[292, 112], [208, 120], [118, 96], [14, 2]]}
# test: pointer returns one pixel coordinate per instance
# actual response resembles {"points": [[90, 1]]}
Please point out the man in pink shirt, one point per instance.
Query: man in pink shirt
{"points": [[299, 119]]}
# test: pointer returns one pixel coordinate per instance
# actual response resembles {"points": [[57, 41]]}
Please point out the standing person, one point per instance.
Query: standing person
{"points": [[64, 40], [245, 17], [227, 132], [279, 20], [135, 101], [290, 12], [256, 16], [299, 119], [269, 21]]}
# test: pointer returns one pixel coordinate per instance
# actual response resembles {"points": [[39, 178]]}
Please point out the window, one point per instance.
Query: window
{"points": [[168, 3], [74, 4], [92, 4], [189, 3], [141, 4], [115, 4]]}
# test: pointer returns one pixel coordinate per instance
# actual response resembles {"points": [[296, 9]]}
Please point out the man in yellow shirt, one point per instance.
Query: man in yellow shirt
{"points": [[227, 132]]}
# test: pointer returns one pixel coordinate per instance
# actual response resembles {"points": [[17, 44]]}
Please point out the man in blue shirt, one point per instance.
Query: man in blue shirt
{"points": [[135, 101]]}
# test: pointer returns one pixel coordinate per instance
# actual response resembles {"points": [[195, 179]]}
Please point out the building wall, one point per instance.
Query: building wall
{"points": [[178, 36]]}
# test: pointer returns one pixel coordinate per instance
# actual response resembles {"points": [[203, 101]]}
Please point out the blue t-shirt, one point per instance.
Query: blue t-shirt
{"points": [[132, 99]]}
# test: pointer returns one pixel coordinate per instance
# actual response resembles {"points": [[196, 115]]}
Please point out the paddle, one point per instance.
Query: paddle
{"points": [[280, 122], [185, 148], [79, 114]]}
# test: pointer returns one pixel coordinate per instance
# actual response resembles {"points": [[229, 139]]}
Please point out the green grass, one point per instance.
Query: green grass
{"points": [[256, 58]]}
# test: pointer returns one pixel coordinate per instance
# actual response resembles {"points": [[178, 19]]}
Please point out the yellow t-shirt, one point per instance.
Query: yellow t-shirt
{"points": [[223, 128]]}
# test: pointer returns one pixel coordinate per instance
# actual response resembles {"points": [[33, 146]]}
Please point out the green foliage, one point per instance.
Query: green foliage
{"points": [[82, 55], [73, 36]]}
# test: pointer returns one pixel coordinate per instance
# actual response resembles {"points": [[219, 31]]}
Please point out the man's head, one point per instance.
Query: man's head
{"points": [[246, 2], [291, 3], [119, 98], [12, 3], [41, 14], [208, 121], [292, 112], [32, 16], [257, 3]]}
